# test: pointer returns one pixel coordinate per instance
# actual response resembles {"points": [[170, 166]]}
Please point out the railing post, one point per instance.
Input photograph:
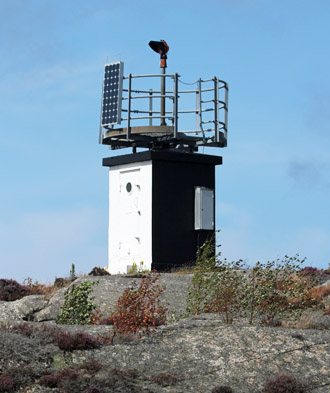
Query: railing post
{"points": [[150, 107], [200, 108], [175, 109], [216, 109], [197, 111], [226, 112], [200, 104], [128, 133]]}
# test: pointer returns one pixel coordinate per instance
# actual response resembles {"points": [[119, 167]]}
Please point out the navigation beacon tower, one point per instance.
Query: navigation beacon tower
{"points": [[162, 198]]}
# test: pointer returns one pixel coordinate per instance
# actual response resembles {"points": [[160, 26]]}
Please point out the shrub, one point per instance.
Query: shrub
{"points": [[266, 291], [204, 278], [61, 282], [310, 271], [11, 290], [224, 293], [273, 288], [44, 334], [77, 307], [284, 383], [64, 340], [94, 389], [59, 379], [215, 283], [24, 328], [222, 389], [98, 271], [48, 380], [6, 384], [70, 342], [314, 271], [23, 374], [138, 309], [73, 272]]}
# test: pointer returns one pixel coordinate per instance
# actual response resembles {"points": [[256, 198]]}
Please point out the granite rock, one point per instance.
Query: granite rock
{"points": [[195, 354], [202, 352], [23, 309]]}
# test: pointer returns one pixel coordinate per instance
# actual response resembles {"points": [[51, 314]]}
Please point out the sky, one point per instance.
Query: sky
{"points": [[273, 189]]}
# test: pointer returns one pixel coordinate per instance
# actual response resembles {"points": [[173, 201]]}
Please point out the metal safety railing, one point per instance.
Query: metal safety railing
{"points": [[202, 112]]}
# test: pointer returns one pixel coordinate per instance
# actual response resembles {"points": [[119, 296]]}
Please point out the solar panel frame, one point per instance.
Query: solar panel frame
{"points": [[112, 94]]}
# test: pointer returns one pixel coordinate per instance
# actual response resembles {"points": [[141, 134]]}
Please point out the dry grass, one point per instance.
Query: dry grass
{"points": [[320, 292], [184, 269], [37, 288]]}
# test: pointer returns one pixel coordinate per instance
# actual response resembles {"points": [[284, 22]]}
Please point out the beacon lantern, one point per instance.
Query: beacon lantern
{"points": [[162, 48]]}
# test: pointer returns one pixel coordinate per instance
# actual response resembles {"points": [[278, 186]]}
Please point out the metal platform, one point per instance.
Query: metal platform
{"points": [[205, 107]]}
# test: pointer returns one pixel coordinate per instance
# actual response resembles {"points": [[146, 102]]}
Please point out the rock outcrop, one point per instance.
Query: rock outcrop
{"points": [[203, 352], [105, 294], [195, 354], [23, 309]]}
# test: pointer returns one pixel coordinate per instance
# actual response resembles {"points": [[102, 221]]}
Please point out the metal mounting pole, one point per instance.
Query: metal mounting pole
{"points": [[150, 107], [162, 100], [175, 114], [128, 133]]}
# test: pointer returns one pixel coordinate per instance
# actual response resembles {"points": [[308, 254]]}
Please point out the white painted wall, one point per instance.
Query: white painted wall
{"points": [[130, 215]]}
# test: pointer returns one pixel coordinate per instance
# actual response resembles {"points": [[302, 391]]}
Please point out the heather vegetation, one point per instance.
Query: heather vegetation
{"points": [[284, 383], [11, 290]]}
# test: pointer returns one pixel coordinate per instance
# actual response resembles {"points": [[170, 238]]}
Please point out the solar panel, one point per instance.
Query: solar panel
{"points": [[112, 94]]}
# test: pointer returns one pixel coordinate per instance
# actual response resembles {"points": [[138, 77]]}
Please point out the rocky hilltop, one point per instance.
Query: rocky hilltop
{"points": [[195, 354]]}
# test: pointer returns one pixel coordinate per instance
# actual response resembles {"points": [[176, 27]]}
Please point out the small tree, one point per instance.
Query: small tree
{"points": [[138, 309], [77, 307], [272, 288], [225, 290], [267, 290], [204, 278], [215, 283]]}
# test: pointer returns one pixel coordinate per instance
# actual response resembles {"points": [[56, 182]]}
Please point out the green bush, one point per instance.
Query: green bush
{"points": [[215, 283], [272, 288], [224, 295], [265, 291], [78, 307], [204, 278]]}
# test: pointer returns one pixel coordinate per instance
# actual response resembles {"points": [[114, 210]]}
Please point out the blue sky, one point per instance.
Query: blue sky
{"points": [[273, 190]]}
